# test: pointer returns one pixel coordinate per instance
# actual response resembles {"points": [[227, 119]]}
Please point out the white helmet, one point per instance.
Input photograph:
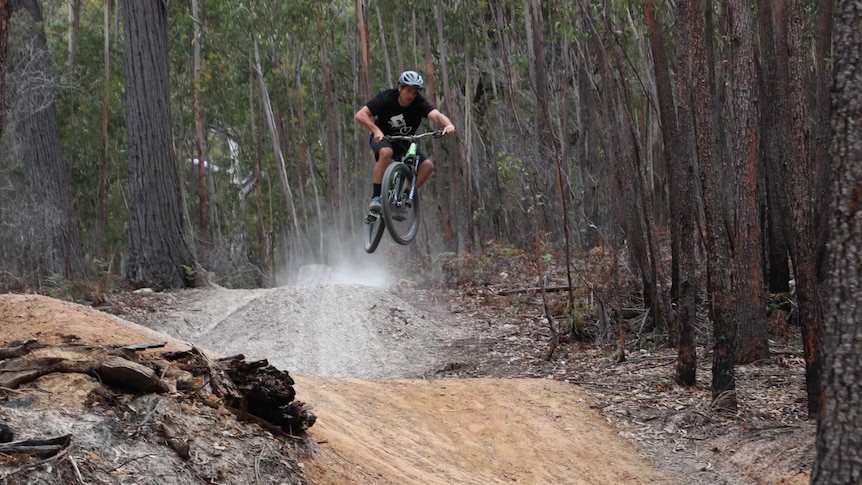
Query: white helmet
{"points": [[411, 78]]}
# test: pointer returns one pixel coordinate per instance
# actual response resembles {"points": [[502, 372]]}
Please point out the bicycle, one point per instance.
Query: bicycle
{"points": [[399, 197]]}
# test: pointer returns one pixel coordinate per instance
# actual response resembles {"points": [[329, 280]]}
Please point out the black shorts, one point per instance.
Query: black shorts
{"points": [[398, 149]]}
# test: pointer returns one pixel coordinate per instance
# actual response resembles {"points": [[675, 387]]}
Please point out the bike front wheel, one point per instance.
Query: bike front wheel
{"points": [[400, 214]]}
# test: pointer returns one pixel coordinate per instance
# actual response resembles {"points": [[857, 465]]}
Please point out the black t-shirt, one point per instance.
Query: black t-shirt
{"points": [[394, 119]]}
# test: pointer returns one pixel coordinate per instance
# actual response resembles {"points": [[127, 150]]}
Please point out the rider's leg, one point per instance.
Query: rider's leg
{"points": [[384, 156], [425, 169]]}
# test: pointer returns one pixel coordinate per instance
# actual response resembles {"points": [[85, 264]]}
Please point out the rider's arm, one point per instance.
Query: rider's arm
{"points": [[366, 120], [442, 120]]}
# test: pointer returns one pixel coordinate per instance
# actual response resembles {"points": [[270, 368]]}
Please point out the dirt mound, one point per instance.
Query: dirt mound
{"points": [[333, 331], [368, 431], [109, 435]]}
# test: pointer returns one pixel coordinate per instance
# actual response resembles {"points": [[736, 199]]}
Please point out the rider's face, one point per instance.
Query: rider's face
{"points": [[407, 94]]}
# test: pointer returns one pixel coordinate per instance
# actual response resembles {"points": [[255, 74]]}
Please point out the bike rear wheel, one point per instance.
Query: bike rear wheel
{"points": [[374, 227], [400, 216]]}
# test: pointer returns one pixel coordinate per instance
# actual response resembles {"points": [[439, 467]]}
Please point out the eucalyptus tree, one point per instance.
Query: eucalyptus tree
{"points": [[54, 228], [718, 239], [5, 15], [774, 122], [839, 431], [678, 150], [803, 222], [751, 338], [160, 253]]}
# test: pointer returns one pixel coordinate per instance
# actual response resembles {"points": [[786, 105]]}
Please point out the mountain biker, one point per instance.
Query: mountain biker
{"points": [[398, 111]]}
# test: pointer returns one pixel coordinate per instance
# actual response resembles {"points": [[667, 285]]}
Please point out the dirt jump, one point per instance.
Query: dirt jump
{"points": [[368, 362]]}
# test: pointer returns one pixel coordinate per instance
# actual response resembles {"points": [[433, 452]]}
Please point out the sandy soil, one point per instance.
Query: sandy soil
{"points": [[475, 431]]}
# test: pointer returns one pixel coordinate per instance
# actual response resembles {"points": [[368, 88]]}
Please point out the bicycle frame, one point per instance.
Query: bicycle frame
{"points": [[411, 157], [400, 171]]}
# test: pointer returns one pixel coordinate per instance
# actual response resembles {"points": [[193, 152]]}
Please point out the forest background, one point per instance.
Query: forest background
{"points": [[156, 142]]}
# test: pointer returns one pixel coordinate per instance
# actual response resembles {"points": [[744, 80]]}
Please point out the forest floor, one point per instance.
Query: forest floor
{"points": [[410, 385]]}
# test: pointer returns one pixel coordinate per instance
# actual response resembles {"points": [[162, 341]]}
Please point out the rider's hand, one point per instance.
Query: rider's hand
{"points": [[448, 129], [378, 136]]}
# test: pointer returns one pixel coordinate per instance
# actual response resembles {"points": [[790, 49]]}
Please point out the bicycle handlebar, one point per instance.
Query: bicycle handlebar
{"points": [[435, 134]]}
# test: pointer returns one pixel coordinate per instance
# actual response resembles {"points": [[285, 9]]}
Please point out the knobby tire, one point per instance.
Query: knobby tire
{"points": [[373, 232], [398, 175]]}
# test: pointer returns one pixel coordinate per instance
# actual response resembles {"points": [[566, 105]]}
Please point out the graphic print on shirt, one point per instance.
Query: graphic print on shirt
{"points": [[398, 124]]}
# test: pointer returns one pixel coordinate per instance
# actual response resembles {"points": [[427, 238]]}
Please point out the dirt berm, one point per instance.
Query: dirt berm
{"points": [[360, 357]]}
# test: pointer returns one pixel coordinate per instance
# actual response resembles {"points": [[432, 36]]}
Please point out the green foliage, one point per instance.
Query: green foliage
{"points": [[489, 87], [576, 316], [501, 252], [439, 259], [508, 166], [56, 286]]}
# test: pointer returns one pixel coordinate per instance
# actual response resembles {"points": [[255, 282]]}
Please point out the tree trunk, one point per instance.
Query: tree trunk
{"points": [[74, 27], [683, 175], [364, 48], [444, 213], [588, 161], [459, 209], [199, 130], [335, 189], [824, 175], [58, 247], [775, 151], [277, 151], [263, 242], [718, 257], [670, 138], [386, 61], [839, 432], [804, 239], [307, 160], [159, 252], [104, 210], [5, 14], [751, 338]]}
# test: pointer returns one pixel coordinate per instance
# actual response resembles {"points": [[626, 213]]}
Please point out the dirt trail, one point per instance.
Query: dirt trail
{"points": [[393, 431], [409, 431], [475, 431]]}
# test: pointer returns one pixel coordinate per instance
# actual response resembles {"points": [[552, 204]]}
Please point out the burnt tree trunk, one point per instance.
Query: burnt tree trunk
{"points": [[804, 239], [718, 247], [775, 152], [751, 338], [839, 432]]}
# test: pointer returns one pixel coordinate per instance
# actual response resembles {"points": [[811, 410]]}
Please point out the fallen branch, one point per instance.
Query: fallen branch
{"points": [[40, 448], [534, 289]]}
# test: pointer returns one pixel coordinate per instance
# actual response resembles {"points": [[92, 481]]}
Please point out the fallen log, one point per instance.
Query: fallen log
{"points": [[111, 369], [245, 388]]}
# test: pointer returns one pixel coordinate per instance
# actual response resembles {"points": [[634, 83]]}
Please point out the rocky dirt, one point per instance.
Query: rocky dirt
{"points": [[409, 386]]}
